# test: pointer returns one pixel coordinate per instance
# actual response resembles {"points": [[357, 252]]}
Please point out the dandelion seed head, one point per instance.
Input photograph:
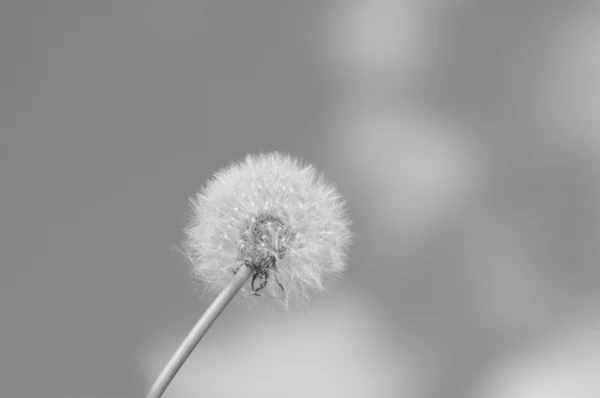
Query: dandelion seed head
{"points": [[275, 214]]}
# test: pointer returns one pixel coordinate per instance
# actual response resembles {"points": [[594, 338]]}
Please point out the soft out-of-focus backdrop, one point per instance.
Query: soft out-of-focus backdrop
{"points": [[463, 133]]}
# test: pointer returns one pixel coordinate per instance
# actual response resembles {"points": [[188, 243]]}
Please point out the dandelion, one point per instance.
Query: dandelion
{"points": [[274, 215], [265, 226]]}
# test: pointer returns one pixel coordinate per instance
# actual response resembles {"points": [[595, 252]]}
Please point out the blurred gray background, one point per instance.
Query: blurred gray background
{"points": [[463, 133]]}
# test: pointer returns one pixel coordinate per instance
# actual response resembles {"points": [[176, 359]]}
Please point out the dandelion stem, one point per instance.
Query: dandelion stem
{"points": [[198, 331]]}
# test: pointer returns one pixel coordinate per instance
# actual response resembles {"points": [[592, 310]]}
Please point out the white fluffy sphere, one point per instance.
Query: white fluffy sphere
{"points": [[275, 215]]}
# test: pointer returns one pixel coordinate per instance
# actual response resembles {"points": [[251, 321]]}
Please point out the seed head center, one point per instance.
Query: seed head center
{"points": [[264, 240]]}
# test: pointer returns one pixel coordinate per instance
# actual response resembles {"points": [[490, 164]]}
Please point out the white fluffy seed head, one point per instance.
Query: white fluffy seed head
{"points": [[276, 215]]}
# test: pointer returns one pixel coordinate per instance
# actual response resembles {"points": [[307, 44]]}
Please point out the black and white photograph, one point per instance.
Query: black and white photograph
{"points": [[300, 199]]}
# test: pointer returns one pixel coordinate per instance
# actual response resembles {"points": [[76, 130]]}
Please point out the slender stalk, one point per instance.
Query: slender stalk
{"points": [[198, 331]]}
